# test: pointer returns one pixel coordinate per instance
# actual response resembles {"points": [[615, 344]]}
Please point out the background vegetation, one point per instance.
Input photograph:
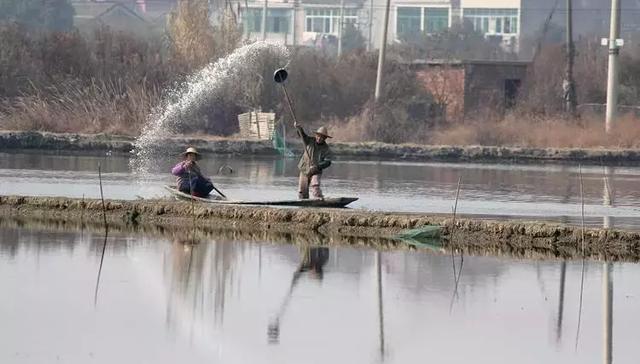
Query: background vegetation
{"points": [[55, 78]]}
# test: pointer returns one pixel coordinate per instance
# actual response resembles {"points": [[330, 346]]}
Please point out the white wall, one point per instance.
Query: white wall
{"points": [[491, 4]]}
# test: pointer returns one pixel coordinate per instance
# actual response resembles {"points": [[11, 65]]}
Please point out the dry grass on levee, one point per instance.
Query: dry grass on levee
{"points": [[69, 108], [542, 132]]}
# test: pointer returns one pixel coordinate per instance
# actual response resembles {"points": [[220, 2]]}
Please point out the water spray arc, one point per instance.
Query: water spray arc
{"points": [[198, 90]]}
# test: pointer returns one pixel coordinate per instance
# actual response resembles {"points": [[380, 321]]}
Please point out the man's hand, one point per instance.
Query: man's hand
{"points": [[295, 124], [187, 164]]}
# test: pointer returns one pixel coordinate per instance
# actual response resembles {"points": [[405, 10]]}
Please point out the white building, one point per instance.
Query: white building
{"points": [[497, 18], [302, 22], [299, 23]]}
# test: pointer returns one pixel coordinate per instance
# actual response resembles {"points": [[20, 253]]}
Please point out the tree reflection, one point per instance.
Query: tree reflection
{"points": [[199, 274]]}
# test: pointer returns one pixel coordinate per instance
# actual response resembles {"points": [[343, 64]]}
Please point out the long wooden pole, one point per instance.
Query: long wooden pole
{"points": [[293, 115]]}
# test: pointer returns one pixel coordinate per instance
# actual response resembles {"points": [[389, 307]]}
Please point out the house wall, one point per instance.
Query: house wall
{"points": [[485, 85], [456, 11], [490, 4], [464, 89], [532, 15], [288, 37], [447, 86], [393, 15], [298, 34], [590, 19], [510, 39]]}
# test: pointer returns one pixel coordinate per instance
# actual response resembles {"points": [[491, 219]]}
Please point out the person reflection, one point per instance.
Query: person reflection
{"points": [[313, 260]]}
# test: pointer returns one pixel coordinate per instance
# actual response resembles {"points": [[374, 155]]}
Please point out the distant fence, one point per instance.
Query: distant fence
{"points": [[601, 109], [256, 125]]}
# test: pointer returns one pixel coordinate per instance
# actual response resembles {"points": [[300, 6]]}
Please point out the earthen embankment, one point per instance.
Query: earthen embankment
{"points": [[99, 144], [495, 237]]}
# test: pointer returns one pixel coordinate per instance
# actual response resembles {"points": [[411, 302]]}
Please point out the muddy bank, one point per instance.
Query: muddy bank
{"points": [[100, 144], [343, 226], [185, 234]]}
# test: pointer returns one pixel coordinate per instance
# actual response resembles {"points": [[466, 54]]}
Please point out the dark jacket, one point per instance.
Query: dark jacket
{"points": [[320, 154]]}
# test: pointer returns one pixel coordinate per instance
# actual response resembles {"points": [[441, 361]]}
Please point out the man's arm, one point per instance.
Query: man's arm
{"points": [[305, 138], [325, 160]]}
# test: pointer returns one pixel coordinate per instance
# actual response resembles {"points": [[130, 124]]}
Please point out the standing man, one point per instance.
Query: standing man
{"points": [[315, 159]]}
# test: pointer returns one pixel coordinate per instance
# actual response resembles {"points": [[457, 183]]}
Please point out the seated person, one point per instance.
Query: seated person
{"points": [[190, 179]]}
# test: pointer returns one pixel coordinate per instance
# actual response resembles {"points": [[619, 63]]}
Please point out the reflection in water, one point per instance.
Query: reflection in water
{"points": [[456, 278], [380, 303], [608, 194], [313, 260], [563, 277], [166, 301], [607, 294], [199, 275], [104, 249]]}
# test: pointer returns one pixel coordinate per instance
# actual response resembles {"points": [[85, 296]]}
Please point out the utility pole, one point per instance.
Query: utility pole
{"points": [[568, 85], [370, 38], [294, 23], [264, 19], [614, 44], [383, 49], [340, 28]]}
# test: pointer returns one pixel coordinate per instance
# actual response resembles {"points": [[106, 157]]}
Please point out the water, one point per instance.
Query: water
{"points": [[543, 192], [228, 73], [160, 301]]}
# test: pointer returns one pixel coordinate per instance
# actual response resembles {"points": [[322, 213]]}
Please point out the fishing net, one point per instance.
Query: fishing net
{"points": [[425, 236]]}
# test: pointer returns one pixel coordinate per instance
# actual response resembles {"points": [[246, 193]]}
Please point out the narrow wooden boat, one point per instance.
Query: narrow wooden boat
{"points": [[334, 202]]}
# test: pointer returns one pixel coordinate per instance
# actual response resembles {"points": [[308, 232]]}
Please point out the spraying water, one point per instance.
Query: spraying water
{"points": [[195, 92]]}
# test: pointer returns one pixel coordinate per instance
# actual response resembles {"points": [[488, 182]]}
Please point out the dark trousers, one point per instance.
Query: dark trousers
{"points": [[305, 183], [201, 187]]}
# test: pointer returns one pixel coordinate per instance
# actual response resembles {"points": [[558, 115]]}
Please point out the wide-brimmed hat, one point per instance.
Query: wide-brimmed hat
{"points": [[323, 131], [191, 150]]}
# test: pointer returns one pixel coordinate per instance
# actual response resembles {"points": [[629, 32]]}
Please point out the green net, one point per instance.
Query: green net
{"points": [[425, 236], [280, 145]]}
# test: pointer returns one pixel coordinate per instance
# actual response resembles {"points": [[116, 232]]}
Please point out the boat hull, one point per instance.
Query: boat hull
{"points": [[332, 202]]}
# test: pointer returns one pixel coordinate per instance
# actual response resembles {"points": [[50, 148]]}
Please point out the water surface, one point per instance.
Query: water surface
{"points": [[548, 192], [161, 301]]}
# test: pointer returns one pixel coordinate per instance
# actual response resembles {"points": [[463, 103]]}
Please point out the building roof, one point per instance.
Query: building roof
{"points": [[153, 9], [92, 10], [158, 8]]}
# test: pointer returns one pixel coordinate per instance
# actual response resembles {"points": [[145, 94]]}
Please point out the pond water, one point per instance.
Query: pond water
{"points": [[546, 192], [164, 301]]}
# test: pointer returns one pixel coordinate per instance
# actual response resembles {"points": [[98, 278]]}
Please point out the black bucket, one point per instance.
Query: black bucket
{"points": [[280, 75]]}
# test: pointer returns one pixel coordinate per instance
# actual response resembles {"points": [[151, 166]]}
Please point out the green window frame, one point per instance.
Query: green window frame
{"points": [[278, 21], [252, 20], [493, 21], [327, 20], [408, 20], [435, 19]]}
